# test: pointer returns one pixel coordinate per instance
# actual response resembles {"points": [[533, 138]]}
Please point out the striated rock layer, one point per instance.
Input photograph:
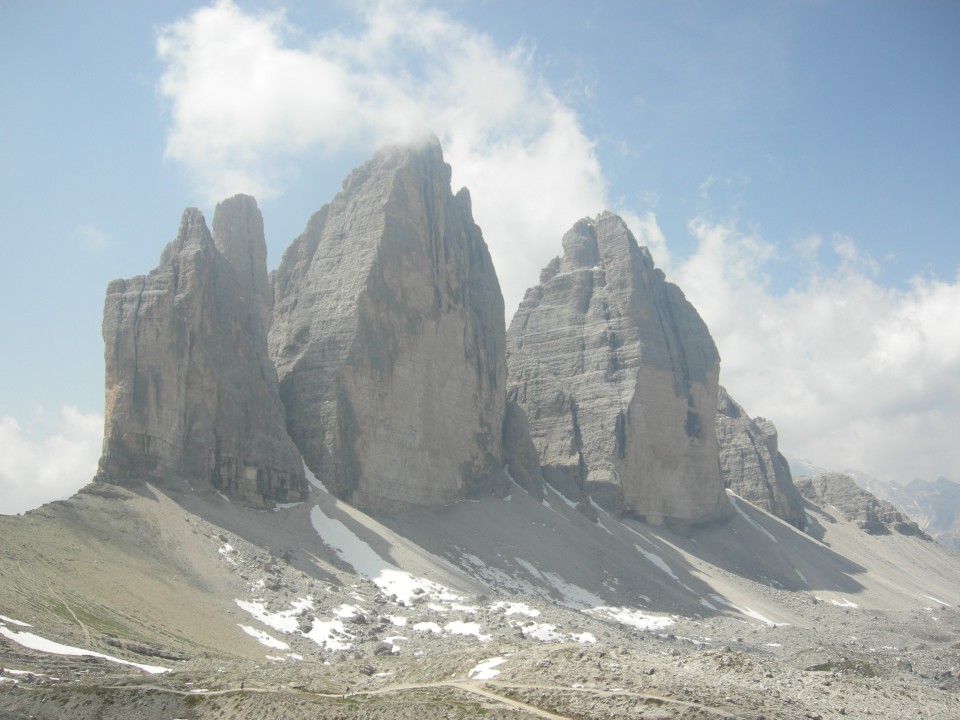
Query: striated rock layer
{"points": [[389, 340], [872, 515], [190, 388], [618, 376], [752, 465]]}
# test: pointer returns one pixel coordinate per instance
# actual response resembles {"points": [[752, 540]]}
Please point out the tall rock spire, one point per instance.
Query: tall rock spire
{"points": [[238, 233], [190, 389], [618, 376], [388, 337]]}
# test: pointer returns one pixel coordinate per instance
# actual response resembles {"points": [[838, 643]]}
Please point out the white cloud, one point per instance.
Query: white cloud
{"points": [[854, 374], [33, 472], [248, 95]]}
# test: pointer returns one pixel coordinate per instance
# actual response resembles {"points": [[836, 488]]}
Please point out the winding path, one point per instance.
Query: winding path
{"points": [[483, 688]]}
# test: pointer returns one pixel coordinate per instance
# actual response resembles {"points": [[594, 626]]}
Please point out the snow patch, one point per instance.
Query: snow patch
{"points": [[484, 670], [427, 627], [388, 577], [11, 621], [286, 506], [658, 561], [41, 644], [573, 596], [844, 603], [286, 621], [633, 617], [928, 597], [459, 627], [330, 634], [348, 611], [544, 632], [264, 638]]}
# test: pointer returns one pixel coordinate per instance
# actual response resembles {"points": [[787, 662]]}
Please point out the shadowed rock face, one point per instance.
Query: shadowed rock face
{"points": [[618, 376], [872, 515], [190, 388], [388, 338], [752, 465]]}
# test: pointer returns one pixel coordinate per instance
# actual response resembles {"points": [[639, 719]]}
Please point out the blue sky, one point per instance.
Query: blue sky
{"points": [[792, 165]]}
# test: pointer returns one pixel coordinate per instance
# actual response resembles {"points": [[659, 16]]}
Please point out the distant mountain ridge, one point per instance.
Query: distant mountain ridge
{"points": [[933, 506]]}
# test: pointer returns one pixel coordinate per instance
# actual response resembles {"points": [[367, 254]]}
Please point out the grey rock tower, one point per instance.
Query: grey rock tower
{"points": [[389, 341], [190, 388], [618, 376]]}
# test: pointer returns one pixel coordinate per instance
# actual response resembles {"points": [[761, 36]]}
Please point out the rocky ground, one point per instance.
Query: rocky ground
{"points": [[278, 639], [717, 668]]}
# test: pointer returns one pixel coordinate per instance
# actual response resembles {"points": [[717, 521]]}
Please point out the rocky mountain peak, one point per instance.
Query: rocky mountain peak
{"points": [[238, 234], [618, 376], [388, 337], [190, 389]]}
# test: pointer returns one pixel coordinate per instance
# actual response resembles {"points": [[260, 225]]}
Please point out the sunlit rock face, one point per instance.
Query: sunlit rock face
{"points": [[191, 392], [389, 340], [618, 376], [752, 465]]}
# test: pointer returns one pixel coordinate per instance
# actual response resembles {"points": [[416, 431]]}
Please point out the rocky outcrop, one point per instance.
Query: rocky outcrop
{"points": [[190, 388], [752, 465], [520, 456], [618, 376], [873, 516], [388, 338]]}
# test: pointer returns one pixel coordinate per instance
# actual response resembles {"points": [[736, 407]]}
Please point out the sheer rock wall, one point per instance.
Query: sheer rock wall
{"points": [[388, 337], [618, 376], [190, 388]]}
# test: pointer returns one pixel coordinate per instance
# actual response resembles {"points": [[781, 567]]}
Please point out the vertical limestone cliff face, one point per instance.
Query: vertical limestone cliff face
{"points": [[752, 465], [190, 388], [389, 340], [618, 376]]}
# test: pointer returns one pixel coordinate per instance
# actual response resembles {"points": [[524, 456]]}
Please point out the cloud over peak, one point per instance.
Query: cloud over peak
{"points": [[248, 97], [855, 373]]}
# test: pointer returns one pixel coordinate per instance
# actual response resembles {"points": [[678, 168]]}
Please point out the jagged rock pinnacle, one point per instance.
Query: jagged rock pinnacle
{"points": [[190, 389]]}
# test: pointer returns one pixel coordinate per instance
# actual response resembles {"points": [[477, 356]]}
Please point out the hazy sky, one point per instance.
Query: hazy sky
{"points": [[793, 166]]}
